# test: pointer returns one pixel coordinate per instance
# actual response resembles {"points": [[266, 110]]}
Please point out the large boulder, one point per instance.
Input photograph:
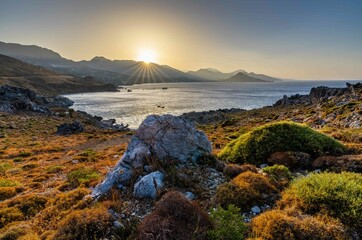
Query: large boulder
{"points": [[159, 138]]}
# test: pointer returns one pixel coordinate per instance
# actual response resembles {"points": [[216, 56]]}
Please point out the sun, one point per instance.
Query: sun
{"points": [[146, 56]]}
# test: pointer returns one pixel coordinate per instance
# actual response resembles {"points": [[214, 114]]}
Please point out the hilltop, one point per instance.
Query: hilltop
{"points": [[14, 72]]}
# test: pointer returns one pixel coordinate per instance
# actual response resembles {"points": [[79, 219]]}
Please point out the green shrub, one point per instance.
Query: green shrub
{"points": [[277, 224], [255, 146], [228, 224], [82, 176], [88, 155], [8, 183], [4, 167], [244, 191], [338, 194], [279, 174]]}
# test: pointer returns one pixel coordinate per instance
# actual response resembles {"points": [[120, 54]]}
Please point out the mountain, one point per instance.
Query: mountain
{"points": [[14, 72], [216, 75], [242, 77], [212, 74], [116, 72]]}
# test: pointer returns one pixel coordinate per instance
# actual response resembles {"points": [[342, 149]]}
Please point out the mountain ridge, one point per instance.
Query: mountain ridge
{"points": [[118, 72]]}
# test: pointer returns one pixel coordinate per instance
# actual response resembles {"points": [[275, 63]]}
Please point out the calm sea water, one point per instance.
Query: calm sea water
{"points": [[132, 107]]}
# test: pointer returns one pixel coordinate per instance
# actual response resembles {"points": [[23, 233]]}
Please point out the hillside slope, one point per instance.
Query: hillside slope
{"points": [[14, 72]]}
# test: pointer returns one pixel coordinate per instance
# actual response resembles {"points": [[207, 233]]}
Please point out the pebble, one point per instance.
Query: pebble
{"points": [[255, 210], [190, 195]]}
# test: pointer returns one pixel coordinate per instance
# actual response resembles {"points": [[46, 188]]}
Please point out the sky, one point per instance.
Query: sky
{"points": [[311, 40]]}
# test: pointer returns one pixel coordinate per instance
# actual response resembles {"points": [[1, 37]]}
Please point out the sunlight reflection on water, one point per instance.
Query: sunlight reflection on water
{"points": [[133, 107]]}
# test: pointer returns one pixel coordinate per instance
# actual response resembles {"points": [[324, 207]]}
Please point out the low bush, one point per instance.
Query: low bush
{"points": [[233, 170], [255, 146], [85, 224], [244, 191], [277, 224], [88, 155], [279, 174], [292, 160], [175, 217], [82, 177], [29, 205], [338, 194], [7, 192], [9, 214], [228, 224], [4, 182], [4, 167]]}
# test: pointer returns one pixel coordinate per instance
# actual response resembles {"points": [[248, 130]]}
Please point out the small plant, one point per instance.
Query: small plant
{"points": [[55, 169], [8, 183], [279, 174], [4, 167], [82, 176], [256, 146], [18, 159], [88, 155], [228, 224]]}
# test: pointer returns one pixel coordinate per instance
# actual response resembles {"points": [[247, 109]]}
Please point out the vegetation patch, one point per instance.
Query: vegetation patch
{"points": [[232, 170], [82, 177], [338, 194], [175, 217], [279, 175], [4, 167], [277, 224], [255, 146], [85, 224], [228, 224], [244, 191]]}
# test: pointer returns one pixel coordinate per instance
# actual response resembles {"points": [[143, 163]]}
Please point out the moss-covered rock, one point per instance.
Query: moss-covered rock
{"points": [[255, 146]]}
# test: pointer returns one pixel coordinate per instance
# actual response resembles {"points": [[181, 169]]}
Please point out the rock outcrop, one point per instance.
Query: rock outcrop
{"points": [[71, 128], [159, 140], [14, 99], [321, 93]]}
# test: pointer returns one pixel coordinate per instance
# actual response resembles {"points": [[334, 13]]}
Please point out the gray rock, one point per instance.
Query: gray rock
{"points": [[255, 210], [190, 195], [71, 128], [148, 186], [264, 165], [159, 138]]}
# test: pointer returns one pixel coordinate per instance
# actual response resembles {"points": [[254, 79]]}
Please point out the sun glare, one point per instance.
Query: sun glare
{"points": [[146, 56]]}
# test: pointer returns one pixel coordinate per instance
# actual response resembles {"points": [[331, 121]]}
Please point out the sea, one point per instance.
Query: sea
{"points": [[133, 103]]}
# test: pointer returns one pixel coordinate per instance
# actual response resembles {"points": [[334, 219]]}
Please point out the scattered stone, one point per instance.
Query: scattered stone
{"points": [[190, 196], [255, 210], [264, 165], [149, 185], [70, 128]]}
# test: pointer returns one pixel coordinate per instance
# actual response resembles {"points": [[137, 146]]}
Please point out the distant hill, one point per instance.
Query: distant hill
{"points": [[216, 75], [14, 72], [212, 74], [242, 77]]}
